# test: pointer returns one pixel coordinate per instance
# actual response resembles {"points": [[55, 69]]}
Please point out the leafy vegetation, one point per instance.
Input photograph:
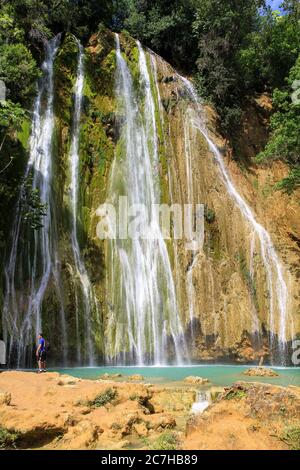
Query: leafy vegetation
{"points": [[33, 210], [284, 142], [235, 395], [103, 398], [209, 214], [232, 49], [291, 436], [166, 441], [8, 439]]}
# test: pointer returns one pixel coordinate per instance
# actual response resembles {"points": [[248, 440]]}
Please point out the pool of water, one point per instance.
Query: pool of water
{"points": [[220, 375]]}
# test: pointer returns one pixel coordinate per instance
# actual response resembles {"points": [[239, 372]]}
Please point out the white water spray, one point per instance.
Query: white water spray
{"points": [[142, 283], [276, 285], [19, 325], [89, 302]]}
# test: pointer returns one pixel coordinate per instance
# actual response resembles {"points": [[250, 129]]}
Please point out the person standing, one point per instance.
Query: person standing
{"points": [[41, 353]]}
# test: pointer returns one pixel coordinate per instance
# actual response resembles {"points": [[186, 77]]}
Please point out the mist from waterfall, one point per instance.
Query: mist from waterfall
{"points": [[89, 302]]}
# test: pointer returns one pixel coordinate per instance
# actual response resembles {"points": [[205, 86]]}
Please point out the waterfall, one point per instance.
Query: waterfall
{"points": [[22, 305], [144, 326], [277, 288], [203, 400], [89, 301]]}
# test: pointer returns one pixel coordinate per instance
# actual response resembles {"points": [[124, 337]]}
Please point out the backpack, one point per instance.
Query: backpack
{"points": [[47, 346]]}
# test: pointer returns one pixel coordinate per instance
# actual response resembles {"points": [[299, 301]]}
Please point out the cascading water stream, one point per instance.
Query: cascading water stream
{"points": [[146, 316], [40, 253], [276, 285], [89, 301], [190, 200]]}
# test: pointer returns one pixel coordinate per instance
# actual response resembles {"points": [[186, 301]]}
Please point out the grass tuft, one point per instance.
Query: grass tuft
{"points": [[103, 398]]}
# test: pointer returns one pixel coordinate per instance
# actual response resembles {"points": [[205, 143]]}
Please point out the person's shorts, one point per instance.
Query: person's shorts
{"points": [[42, 356]]}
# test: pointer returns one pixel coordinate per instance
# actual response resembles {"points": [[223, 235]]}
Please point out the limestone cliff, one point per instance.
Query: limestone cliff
{"points": [[228, 293]]}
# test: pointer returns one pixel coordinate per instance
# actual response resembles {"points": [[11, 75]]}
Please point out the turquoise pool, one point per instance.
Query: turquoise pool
{"points": [[220, 375]]}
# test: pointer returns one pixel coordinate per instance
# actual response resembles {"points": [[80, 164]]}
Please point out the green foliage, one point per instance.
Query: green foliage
{"points": [[167, 441], [284, 142], [209, 214], [41, 19], [8, 439], [11, 116], [222, 29], [291, 436], [9, 31], [285, 123], [19, 71], [291, 182], [235, 395], [270, 52], [165, 26], [103, 398], [33, 210]]}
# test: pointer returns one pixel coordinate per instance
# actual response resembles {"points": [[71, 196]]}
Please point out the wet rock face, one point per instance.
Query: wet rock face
{"points": [[221, 290], [225, 287], [194, 380]]}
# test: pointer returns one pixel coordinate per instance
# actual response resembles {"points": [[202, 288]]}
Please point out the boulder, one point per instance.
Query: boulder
{"points": [[105, 376], [195, 380], [260, 372], [64, 380]]}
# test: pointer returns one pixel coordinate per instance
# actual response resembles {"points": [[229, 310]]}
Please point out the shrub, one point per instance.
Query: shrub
{"points": [[235, 395], [167, 441], [8, 439], [291, 436], [103, 398]]}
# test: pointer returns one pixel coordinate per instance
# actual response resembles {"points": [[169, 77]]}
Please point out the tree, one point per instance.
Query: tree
{"points": [[222, 28], [270, 51], [11, 117], [33, 210], [163, 25], [19, 71], [284, 142]]}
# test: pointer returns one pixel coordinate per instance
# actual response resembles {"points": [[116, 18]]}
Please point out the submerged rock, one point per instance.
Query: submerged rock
{"points": [[260, 372], [195, 380], [107, 376]]}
